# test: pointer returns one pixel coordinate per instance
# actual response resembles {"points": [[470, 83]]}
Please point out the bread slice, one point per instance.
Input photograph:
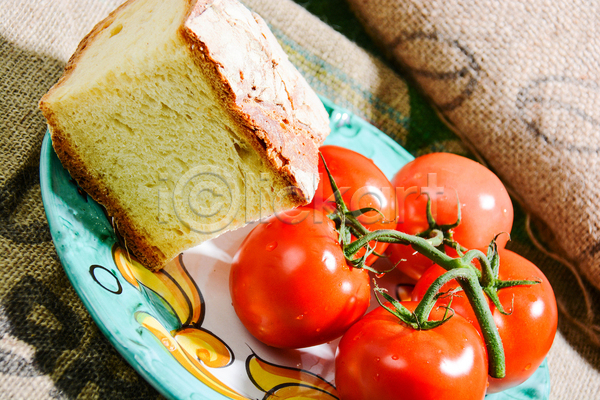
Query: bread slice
{"points": [[185, 119]]}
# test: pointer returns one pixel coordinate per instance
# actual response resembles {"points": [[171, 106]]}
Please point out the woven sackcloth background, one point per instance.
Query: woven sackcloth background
{"points": [[516, 81]]}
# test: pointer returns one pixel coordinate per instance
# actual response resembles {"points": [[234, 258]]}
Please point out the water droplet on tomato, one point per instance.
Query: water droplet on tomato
{"points": [[271, 246], [377, 359], [300, 316], [376, 377], [527, 367], [269, 224], [394, 357]]}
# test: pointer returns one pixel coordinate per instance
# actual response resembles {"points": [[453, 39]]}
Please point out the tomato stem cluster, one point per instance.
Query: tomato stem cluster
{"points": [[476, 283], [445, 229], [459, 269]]}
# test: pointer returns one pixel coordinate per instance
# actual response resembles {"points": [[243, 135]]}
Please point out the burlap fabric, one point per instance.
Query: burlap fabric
{"points": [[50, 347], [520, 81]]}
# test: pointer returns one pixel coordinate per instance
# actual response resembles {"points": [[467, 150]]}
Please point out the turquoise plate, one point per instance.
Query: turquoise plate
{"points": [[177, 327]]}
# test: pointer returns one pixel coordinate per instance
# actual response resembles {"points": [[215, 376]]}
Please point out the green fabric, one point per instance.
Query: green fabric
{"points": [[338, 16], [426, 132]]}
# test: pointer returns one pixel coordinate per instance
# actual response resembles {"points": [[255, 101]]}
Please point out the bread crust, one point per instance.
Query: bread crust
{"points": [[86, 178], [274, 130], [289, 149]]}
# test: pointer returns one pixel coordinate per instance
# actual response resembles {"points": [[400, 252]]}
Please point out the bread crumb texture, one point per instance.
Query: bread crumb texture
{"points": [[185, 121]]}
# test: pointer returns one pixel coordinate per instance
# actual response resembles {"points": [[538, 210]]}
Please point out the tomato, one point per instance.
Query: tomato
{"points": [[290, 284], [407, 260], [362, 184], [486, 208], [381, 358], [460, 303], [527, 331]]}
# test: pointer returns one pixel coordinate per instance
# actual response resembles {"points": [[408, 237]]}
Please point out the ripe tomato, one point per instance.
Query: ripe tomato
{"points": [[381, 358], [291, 286], [527, 331], [486, 208], [362, 184], [407, 260]]}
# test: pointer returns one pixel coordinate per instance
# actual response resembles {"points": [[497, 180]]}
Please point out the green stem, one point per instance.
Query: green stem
{"points": [[505, 284], [487, 274], [336, 191], [469, 283], [447, 227], [493, 342], [427, 247]]}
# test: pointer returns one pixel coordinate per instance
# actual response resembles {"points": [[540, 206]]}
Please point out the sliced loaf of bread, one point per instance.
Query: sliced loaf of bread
{"points": [[185, 119]]}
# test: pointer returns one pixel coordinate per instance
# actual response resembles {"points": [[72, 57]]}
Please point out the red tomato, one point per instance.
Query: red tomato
{"points": [[362, 184], [381, 358], [486, 208], [407, 260], [527, 332], [291, 286]]}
